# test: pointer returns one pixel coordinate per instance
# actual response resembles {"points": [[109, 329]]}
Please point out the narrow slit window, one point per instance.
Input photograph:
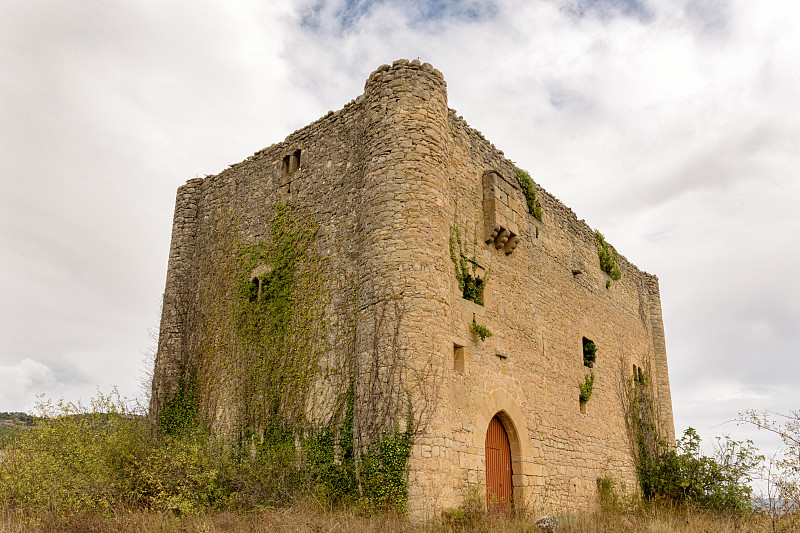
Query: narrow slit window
{"points": [[459, 357]]}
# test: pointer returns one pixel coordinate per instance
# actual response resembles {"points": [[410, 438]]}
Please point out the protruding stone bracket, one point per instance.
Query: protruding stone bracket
{"points": [[500, 212]]}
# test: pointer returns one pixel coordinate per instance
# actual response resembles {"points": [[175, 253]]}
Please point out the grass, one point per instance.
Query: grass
{"points": [[311, 517], [108, 471]]}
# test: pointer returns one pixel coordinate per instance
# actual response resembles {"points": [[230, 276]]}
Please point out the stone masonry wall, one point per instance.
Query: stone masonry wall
{"points": [[542, 299], [386, 177]]}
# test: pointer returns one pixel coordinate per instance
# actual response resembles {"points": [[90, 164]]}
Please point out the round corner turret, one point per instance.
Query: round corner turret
{"points": [[403, 69]]}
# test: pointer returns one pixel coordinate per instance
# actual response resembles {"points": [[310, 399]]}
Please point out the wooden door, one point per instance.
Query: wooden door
{"points": [[499, 489]]}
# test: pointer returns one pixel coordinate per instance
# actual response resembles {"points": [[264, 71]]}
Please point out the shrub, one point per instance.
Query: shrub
{"points": [[586, 388], [74, 460], [780, 498], [610, 498], [481, 331], [529, 191], [685, 475], [608, 257]]}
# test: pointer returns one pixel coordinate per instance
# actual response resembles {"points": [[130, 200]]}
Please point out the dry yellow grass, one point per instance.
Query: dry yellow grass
{"points": [[312, 519]]}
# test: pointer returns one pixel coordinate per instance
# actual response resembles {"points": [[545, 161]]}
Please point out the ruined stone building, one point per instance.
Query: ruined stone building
{"points": [[415, 207]]}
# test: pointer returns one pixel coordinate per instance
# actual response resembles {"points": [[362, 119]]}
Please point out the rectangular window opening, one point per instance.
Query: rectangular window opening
{"points": [[589, 352], [638, 375], [285, 166], [294, 162]]}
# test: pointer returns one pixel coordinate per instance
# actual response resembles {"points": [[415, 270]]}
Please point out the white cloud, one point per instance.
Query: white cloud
{"points": [[669, 125], [24, 379]]}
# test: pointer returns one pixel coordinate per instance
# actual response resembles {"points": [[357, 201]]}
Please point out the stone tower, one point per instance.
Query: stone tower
{"points": [[391, 179]]}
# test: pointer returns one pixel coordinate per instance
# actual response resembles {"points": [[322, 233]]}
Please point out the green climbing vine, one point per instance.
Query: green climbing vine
{"points": [[608, 257], [529, 191], [279, 321], [179, 414], [376, 478], [306, 413], [466, 265]]}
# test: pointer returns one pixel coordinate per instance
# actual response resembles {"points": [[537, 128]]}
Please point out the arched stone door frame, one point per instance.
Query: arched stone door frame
{"points": [[502, 404], [499, 473]]}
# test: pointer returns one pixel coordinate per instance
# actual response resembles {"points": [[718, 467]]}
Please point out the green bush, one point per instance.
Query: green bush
{"points": [[107, 459], [608, 496], [74, 460], [104, 459], [608, 257], [685, 475], [586, 388], [481, 331]]}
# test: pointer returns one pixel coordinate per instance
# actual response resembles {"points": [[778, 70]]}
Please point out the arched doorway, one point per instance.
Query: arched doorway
{"points": [[499, 487]]}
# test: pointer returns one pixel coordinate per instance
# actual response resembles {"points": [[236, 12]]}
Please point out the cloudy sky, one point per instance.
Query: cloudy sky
{"points": [[671, 125]]}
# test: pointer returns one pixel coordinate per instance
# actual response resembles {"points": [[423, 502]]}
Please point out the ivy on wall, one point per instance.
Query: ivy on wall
{"points": [[262, 351], [376, 478], [466, 265], [179, 414], [280, 329]]}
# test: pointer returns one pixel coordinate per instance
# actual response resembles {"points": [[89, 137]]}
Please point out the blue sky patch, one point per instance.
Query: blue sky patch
{"points": [[607, 9], [417, 11]]}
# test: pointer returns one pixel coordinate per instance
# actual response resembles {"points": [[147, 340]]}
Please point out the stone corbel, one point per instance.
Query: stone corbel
{"points": [[501, 231], [503, 238]]}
